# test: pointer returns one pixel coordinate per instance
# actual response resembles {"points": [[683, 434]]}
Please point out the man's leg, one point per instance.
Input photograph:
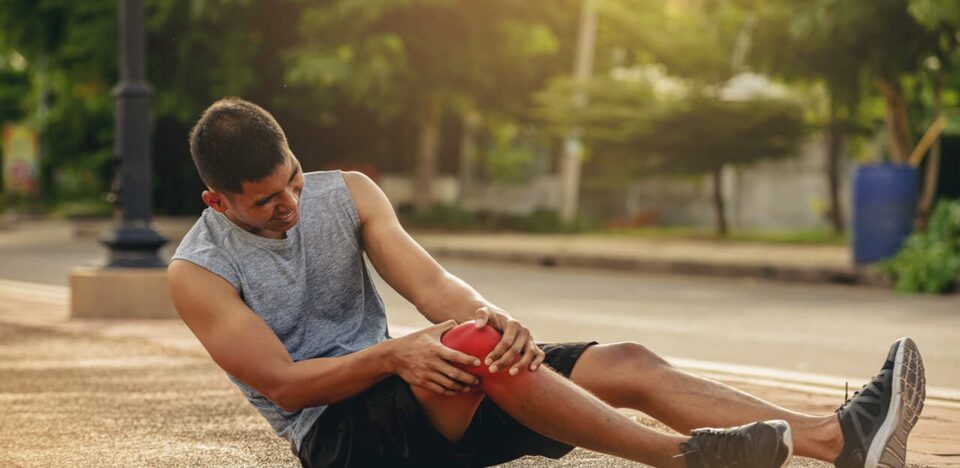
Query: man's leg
{"points": [[553, 406], [628, 375]]}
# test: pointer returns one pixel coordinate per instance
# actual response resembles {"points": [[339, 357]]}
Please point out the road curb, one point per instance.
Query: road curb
{"points": [[822, 275]]}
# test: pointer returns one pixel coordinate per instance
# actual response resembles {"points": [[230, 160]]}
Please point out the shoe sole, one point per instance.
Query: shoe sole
{"points": [[889, 446], [788, 441]]}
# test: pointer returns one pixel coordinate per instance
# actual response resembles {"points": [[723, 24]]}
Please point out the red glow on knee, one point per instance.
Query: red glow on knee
{"points": [[477, 342]]}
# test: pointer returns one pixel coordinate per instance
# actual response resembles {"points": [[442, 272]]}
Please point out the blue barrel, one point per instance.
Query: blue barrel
{"points": [[884, 205]]}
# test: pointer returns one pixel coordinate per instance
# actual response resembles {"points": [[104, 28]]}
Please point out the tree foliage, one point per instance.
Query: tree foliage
{"points": [[386, 80]]}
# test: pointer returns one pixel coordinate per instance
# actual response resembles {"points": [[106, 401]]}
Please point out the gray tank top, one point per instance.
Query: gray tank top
{"points": [[311, 288]]}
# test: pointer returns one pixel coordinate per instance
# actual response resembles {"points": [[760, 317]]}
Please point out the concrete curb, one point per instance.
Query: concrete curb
{"points": [[823, 275]]}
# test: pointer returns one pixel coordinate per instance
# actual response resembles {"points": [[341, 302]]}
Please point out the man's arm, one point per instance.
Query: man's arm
{"points": [[244, 346], [436, 293]]}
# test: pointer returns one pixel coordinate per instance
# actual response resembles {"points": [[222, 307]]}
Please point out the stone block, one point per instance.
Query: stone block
{"points": [[128, 293]]}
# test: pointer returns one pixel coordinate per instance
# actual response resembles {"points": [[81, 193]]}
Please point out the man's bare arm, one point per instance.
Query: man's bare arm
{"points": [[436, 293], [244, 346]]}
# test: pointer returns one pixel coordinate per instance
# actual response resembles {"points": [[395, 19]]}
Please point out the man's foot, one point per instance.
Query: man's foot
{"points": [[876, 420], [766, 444]]}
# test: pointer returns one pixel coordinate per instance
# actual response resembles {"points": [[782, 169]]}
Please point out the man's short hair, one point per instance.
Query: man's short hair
{"points": [[236, 141]]}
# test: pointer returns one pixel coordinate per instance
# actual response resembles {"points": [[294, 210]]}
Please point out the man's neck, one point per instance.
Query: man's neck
{"points": [[259, 232]]}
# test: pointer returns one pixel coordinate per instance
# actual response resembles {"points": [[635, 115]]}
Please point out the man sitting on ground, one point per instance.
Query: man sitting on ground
{"points": [[272, 281]]}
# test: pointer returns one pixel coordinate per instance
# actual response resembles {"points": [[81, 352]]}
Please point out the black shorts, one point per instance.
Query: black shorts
{"points": [[386, 426]]}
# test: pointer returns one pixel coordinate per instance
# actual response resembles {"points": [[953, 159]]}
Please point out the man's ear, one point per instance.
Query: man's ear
{"points": [[214, 200]]}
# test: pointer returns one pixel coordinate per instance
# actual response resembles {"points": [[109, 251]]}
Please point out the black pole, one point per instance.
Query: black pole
{"points": [[133, 243]]}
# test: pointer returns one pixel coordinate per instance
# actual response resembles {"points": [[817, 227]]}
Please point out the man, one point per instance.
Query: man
{"points": [[272, 281]]}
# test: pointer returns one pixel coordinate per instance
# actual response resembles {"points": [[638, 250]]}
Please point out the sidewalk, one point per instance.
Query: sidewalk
{"points": [[141, 392], [786, 262]]}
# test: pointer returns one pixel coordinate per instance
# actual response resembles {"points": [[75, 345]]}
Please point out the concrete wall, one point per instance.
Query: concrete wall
{"points": [[540, 192], [781, 194]]}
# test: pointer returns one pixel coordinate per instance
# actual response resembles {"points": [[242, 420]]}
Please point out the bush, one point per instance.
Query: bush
{"points": [[83, 209], [540, 221], [929, 261], [443, 216]]}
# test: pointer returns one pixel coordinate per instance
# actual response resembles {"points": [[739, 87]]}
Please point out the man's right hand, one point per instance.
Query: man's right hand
{"points": [[422, 360]]}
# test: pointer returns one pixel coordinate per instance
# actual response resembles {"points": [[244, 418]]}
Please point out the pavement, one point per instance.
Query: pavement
{"points": [[144, 393], [784, 262]]}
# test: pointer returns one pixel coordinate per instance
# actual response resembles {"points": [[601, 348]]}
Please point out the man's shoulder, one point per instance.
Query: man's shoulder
{"points": [[205, 240], [204, 246], [320, 182]]}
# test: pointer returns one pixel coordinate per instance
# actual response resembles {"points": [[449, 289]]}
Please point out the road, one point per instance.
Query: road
{"points": [[78, 399], [71, 399], [823, 329]]}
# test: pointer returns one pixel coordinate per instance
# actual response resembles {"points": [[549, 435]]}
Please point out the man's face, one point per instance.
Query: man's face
{"points": [[268, 207]]}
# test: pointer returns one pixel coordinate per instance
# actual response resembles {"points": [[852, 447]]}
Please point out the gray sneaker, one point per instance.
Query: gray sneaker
{"points": [[766, 444], [877, 419]]}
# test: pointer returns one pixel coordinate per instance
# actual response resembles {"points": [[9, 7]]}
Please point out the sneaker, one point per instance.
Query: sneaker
{"points": [[876, 420], [766, 444]]}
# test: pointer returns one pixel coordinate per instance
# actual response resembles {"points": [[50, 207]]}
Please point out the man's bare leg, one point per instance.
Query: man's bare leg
{"points": [[553, 406], [627, 375]]}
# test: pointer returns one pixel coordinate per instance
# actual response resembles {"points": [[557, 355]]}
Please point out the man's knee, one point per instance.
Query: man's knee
{"points": [[639, 356], [477, 342]]}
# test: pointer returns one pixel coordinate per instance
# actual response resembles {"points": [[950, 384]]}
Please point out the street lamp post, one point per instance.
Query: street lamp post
{"points": [[570, 163], [133, 243]]}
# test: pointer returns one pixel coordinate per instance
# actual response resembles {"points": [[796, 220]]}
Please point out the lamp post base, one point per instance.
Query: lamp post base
{"points": [[134, 247], [128, 293]]}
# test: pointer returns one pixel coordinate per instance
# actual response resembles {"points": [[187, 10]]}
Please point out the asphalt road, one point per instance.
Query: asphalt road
{"points": [[824, 329], [68, 399], [73, 400]]}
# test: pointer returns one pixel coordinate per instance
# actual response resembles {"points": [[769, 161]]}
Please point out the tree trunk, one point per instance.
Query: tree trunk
{"points": [[468, 150], [718, 201], [931, 177], [835, 138], [428, 144], [896, 119]]}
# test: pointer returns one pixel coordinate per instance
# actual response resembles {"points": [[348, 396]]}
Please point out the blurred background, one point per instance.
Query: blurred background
{"points": [[737, 184], [679, 118], [743, 118]]}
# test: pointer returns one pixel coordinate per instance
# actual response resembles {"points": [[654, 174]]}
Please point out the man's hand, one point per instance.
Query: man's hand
{"points": [[516, 341], [421, 359]]}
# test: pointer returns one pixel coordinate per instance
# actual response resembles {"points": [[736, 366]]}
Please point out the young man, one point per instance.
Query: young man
{"points": [[272, 281]]}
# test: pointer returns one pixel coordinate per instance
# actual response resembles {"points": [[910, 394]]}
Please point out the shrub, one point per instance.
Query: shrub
{"points": [[929, 261], [443, 216]]}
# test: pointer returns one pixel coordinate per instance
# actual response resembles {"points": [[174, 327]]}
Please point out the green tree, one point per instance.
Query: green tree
{"points": [[654, 105], [684, 131], [196, 52], [417, 60], [70, 53], [702, 134], [853, 49], [943, 20], [801, 41]]}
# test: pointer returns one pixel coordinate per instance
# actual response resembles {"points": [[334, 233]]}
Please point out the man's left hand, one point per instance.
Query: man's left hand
{"points": [[516, 341]]}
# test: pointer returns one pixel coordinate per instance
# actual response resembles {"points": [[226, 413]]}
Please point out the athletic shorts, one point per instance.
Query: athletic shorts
{"points": [[385, 426]]}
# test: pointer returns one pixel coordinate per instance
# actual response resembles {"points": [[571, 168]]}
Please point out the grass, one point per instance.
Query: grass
{"points": [[804, 236], [82, 209]]}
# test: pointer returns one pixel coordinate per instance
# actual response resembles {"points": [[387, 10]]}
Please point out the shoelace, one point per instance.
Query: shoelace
{"points": [[718, 444], [846, 390], [846, 396]]}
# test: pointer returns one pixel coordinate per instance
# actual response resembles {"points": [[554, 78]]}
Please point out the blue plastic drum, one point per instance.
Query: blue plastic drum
{"points": [[884, 205]]}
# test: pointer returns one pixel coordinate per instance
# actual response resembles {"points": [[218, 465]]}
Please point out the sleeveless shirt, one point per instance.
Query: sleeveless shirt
{"points": [[311, 288]]}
